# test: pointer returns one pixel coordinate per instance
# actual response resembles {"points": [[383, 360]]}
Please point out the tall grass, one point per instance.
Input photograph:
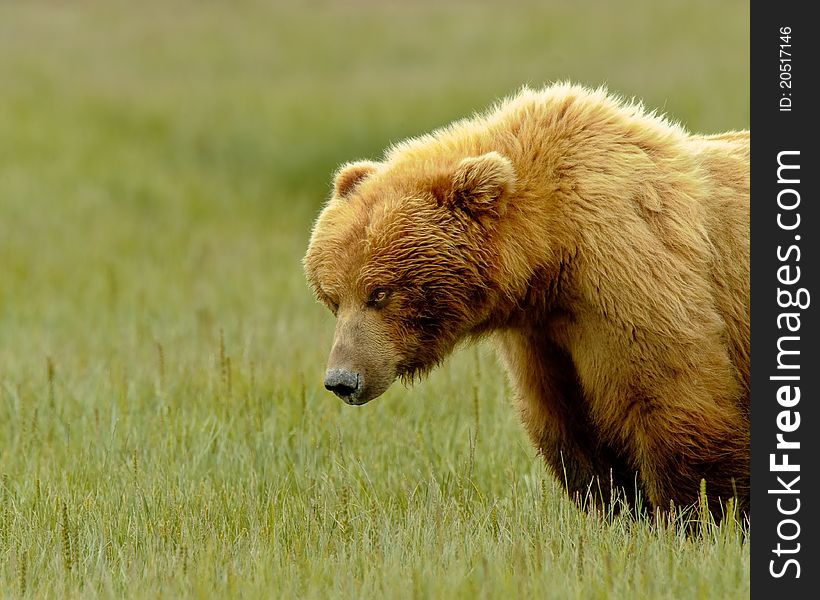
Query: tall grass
{"points": [[163, 430]]}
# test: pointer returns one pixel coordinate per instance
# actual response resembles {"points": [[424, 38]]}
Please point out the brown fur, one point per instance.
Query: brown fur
{"points": [[606, 251]]}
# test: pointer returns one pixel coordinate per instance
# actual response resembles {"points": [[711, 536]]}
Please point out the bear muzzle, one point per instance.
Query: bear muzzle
{"points": [[346, 384], [362, 362]]}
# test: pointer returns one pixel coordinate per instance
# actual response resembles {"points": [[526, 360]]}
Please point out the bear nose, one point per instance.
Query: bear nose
{"points": [[343, 382]]}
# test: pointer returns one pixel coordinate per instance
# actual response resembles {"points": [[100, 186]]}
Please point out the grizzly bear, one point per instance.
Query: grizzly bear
{"points": [[604, 250]]}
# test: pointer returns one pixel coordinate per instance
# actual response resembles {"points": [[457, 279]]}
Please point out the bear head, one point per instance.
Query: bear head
{"points": [[404, 255]]}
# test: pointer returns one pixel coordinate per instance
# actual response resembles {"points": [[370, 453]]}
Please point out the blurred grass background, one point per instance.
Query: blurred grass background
{"points": [[163, 429]]}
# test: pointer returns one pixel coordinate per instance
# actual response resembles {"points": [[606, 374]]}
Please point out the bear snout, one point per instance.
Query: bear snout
{"points": [[345, 383]]}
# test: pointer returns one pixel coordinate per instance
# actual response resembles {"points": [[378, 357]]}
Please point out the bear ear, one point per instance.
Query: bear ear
{"points": [[480, 184], [350, 175]]}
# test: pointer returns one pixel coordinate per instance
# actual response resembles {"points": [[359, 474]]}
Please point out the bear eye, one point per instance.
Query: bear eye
{"points": [[378, 298]]}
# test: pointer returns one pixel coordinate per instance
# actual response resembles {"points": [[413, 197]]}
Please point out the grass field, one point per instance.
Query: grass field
{"points": [[163, 428]]}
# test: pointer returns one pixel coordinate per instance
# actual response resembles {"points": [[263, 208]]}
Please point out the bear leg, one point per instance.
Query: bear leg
{"points": [[556, 416], [675, 458]]}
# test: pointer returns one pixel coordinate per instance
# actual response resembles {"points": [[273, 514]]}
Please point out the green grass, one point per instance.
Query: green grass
{"points": [[163, 429]]}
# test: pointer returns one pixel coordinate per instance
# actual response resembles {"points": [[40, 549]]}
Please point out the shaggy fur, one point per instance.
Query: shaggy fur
{"points": [[605, 250]]}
